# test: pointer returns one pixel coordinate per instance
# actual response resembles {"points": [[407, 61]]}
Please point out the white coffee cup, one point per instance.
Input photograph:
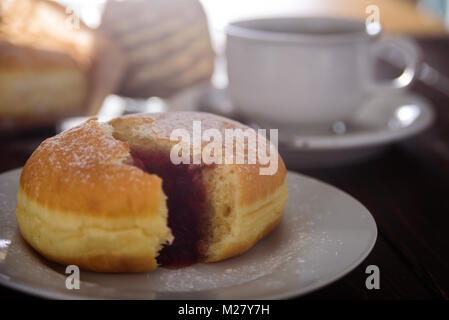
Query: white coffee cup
{"points": [[308, 71]]}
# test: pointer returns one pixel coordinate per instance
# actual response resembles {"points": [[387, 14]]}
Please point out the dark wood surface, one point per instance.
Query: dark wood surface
{"points": [[406, 189]]}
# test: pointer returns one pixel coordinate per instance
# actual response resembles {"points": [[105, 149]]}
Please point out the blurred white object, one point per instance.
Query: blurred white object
{"points": [[308, 72], [167, 44]]}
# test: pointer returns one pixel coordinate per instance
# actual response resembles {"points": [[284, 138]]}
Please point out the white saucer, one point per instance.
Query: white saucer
{"points": [[316, 243], [382, 121], [379, 123]]}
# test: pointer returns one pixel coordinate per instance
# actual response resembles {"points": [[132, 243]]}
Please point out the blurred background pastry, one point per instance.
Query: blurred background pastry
{"points": [[39, 81], [166, 42], [49, 64]]}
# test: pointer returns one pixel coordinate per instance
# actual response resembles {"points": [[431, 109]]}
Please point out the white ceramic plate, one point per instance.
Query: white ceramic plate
{"points": [[324, 234]]}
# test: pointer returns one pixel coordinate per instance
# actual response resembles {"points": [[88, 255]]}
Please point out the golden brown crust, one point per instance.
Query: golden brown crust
{"points": [[81, 171], [81, 201], [250, 223], [259, 186], [15, 58], [50, 69], [159, 126], [38, 30], [239, 247], [245, 205]]}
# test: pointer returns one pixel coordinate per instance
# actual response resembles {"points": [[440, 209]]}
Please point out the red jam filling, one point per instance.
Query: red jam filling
{"points": [[182, 184]]}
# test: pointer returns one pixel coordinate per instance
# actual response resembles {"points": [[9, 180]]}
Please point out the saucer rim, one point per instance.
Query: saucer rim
{"points": [[365, 139], [312, 143]]}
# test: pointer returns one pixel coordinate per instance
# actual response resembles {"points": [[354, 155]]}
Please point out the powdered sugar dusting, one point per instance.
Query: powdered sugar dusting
{"points": [[167, 122], [84, 146], [239, 143], [297, 246], [78, 150], [324, 233]]}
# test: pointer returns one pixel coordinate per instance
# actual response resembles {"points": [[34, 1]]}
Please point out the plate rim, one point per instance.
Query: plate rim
{"points": [[290, 294], [353, 265]]}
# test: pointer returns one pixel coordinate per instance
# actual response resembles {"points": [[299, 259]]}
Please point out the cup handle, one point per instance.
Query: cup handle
{"points": [[410, 54]]}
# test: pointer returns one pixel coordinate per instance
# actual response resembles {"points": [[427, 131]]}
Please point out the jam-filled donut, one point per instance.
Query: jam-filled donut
{"points": [[107, 197]]}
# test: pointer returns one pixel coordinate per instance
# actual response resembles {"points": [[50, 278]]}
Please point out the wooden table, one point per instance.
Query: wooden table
{"points": [[406, 189]]}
